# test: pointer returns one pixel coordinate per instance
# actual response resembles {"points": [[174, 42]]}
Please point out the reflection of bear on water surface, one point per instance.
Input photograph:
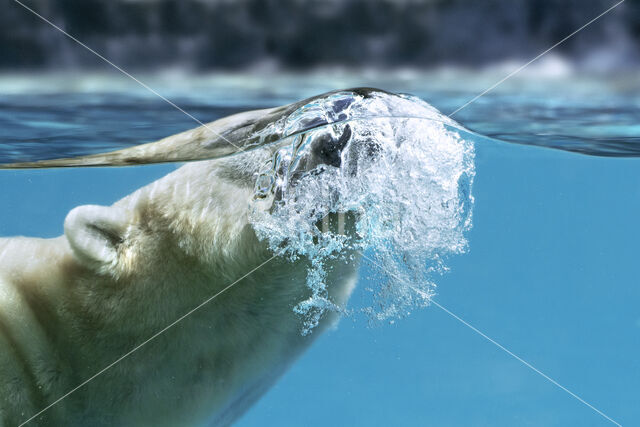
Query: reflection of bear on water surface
{"points": [[72, 305]]}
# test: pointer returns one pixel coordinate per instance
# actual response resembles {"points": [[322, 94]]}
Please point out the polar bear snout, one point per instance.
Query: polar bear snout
{"points": [[327, 150], [344, 152]]}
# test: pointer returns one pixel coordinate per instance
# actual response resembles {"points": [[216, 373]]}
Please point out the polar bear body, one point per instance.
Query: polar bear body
{"points": [[73, 305]]}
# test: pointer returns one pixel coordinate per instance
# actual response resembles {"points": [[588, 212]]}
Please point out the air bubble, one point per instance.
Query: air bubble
{"points": [[405, 183]]}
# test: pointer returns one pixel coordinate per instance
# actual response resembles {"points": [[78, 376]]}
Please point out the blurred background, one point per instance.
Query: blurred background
{"points": [[214, 35]]}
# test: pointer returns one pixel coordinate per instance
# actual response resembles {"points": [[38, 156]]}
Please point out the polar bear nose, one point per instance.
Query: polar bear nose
{"points": [[328, 150]]}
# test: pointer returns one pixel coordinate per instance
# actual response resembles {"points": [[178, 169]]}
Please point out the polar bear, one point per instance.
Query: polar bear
{"points": [[72, 305], [179, 272]]}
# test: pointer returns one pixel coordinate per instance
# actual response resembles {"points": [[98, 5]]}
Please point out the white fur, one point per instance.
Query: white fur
{"points": [[72, 305]]}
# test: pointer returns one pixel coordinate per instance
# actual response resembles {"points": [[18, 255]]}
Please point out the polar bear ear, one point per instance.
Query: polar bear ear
{"points": [[95, 232]]}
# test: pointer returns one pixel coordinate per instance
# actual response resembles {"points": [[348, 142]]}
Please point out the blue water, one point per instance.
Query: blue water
{"points": [[551, 272]]}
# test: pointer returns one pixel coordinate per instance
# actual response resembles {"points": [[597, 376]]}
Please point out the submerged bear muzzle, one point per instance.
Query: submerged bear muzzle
{"points": [[328, 150]]}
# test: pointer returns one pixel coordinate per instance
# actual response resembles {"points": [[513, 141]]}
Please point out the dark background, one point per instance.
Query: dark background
{"points": [[204, 35]]}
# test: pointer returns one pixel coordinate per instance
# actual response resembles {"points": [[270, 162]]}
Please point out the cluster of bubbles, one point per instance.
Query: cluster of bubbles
{"points": [[400, 188]]}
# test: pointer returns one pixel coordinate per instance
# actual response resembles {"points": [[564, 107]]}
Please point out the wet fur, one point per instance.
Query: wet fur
{"points": [[72, 305]]}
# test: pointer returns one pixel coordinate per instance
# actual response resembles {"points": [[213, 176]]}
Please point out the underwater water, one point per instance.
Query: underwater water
{"points": [[549, 272]]}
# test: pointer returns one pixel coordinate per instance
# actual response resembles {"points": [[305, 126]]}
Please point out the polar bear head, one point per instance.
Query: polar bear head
{"points": [[390, 157], [322, 152]]}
